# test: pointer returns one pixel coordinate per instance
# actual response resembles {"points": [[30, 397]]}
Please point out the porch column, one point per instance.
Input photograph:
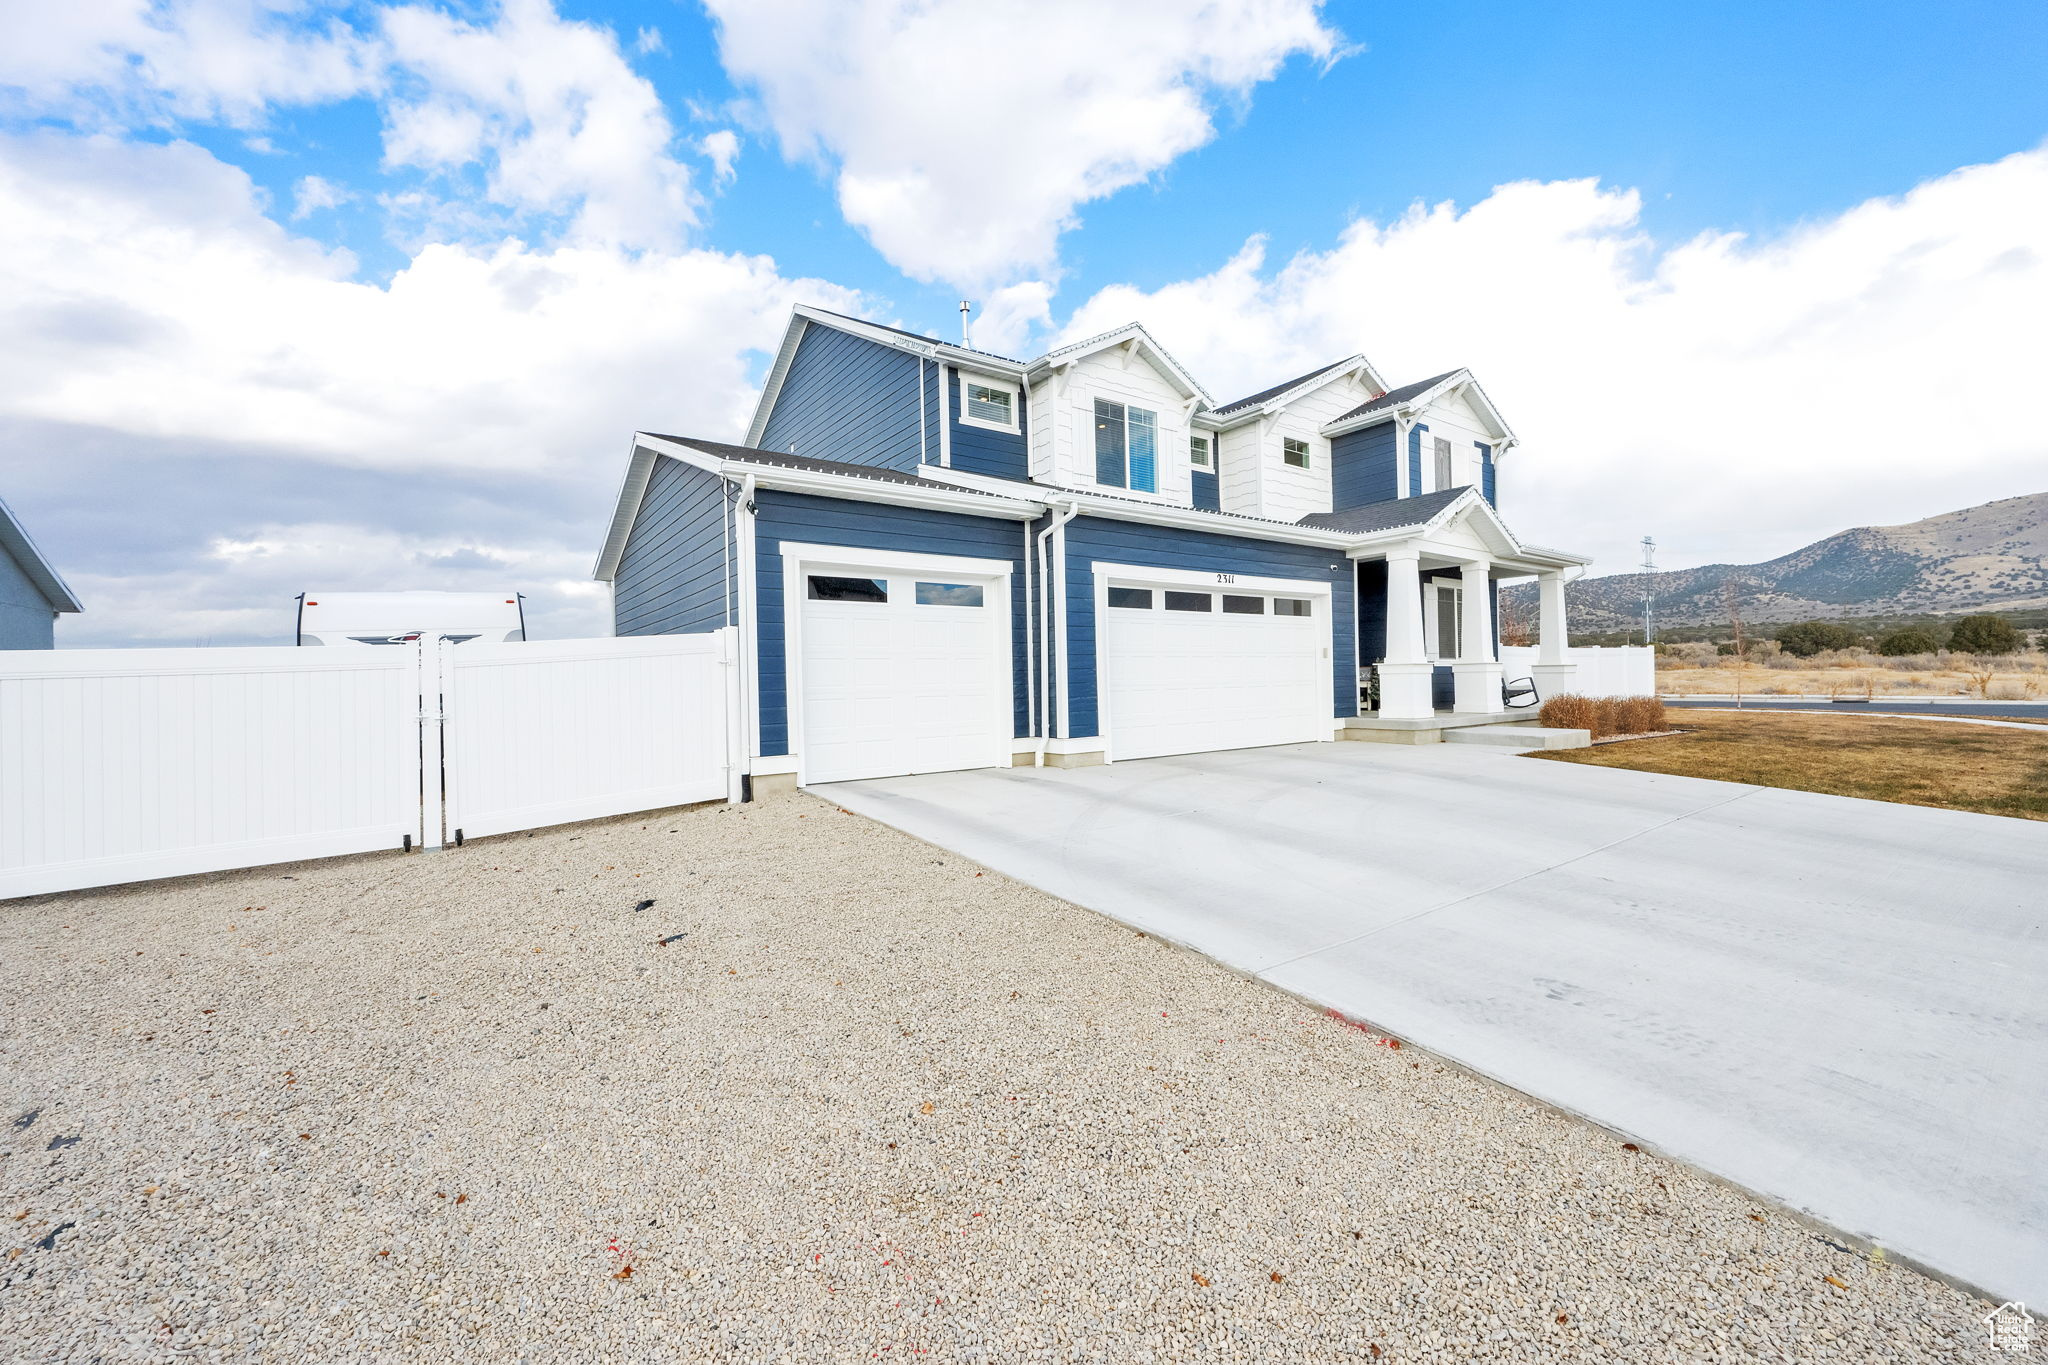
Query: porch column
{"points": [[1404, 674], [1554, 672], [1477, 670]]}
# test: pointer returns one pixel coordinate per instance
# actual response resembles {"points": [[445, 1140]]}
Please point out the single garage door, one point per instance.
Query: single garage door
{"points": [[900, 673], [1188, 669]]}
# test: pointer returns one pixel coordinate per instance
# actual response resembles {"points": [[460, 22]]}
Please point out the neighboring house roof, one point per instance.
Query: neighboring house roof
{"points": [[21, 547], [1314, 378], [1386, 516]]}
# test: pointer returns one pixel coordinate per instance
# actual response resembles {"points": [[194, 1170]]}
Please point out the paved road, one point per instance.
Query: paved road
{"points": [[1840, 1003], [1937, 706]]}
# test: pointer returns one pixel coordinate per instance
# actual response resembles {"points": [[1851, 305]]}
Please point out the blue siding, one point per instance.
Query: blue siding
{"points": [[26, 620], [850, 399], [1486, 473], [977, 450], [1415, 459], [1123, 542], [1443, 687], [1208, 490], [675, 577], [869, 526], [1363, 467]]}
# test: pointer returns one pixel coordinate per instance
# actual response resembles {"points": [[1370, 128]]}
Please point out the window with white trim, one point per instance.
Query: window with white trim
{"points": [[1443, 464], [986, 402], [1293, 452], [1126, 447], [1200, 453]]}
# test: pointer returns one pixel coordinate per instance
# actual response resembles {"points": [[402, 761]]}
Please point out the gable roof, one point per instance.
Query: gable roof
{"points": [[1420, 394], [1314, 378], [1134, 335], [1394, 398], [1388, 515], [16, 542]]}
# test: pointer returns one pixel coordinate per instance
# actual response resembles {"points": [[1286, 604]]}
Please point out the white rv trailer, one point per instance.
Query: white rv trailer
{"points": [[397, 618]]}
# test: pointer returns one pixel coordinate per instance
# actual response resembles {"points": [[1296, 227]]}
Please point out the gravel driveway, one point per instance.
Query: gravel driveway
{"points": [[872, 1103]]}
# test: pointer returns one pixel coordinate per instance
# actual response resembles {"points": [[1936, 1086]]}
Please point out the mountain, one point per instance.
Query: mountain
{"points": [[1988, 558]]}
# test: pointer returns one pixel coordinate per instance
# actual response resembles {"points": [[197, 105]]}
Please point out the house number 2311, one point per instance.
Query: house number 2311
{"points": [[1226, 578]]}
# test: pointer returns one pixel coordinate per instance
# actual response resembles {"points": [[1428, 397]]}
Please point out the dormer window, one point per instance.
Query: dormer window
{"points": [[988, 403], [1293, 453], [1126, 447]]}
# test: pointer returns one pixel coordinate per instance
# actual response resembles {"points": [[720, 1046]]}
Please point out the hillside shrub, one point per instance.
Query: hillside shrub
{"points": [[1809, 638], [1908, 640], [1569, 711], [1984, 634]]}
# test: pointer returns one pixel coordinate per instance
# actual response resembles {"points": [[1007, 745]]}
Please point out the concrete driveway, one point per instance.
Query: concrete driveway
{"points": [[1842, 1004]]}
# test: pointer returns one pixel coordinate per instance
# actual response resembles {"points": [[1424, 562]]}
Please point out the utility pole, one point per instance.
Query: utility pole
{"points": [[1649, 567]]}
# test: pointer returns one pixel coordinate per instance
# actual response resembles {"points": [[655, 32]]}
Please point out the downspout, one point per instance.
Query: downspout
{"points": [[749, 624], [1042, 719]]}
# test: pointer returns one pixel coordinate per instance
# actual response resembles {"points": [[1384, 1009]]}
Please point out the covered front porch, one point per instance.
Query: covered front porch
{"points": [[1429, 625]]}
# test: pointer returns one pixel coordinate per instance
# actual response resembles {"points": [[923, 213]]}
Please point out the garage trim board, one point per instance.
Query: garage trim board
{"points": [[816, 750], [1282, 710]]}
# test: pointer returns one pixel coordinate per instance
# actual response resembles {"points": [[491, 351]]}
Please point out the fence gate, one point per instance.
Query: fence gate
{"points": [[118, 765]]}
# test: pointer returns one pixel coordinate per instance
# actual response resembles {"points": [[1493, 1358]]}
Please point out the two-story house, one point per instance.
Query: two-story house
{"points": [[939, 558]]}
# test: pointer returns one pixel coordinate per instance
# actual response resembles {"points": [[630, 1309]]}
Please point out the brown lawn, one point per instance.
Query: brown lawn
{"points": [[1921, 763]]}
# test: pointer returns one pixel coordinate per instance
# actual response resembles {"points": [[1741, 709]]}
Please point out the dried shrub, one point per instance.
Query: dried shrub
{"points": [[1569, 711], [1639, 715]]}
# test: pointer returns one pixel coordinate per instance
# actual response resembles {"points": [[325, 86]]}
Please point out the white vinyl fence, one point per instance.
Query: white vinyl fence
{"points": [[124, 764], [1602, 671]]}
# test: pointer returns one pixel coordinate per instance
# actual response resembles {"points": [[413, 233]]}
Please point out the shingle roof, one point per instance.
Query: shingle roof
{"points": [[916, 336], [783, 460], [1263, 394], [1395, 397], [1385, 516]]}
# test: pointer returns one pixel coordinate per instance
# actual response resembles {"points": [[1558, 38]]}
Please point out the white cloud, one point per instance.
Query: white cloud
{"points": [[158, 60], [967, 133], [1736, 398], [143, 292], [314, 193], [552, 110], [723, 148], [648, 41]]}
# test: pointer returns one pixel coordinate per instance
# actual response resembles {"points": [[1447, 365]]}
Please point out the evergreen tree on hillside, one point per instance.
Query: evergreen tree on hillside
{"points": [[1984, 634]]}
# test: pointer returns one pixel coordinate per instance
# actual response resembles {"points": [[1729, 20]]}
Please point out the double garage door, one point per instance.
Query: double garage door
{"points": [[1185, 668], [906, 667]]}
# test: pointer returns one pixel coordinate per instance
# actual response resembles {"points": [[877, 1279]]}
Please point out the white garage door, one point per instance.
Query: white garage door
{"points": [[1187, 669], [900, 673]]}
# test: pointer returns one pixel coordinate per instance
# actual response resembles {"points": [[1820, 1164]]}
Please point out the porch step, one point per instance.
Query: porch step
{"points": [[1520, 737]]}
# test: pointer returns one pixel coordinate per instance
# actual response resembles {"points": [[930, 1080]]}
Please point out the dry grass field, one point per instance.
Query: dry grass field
{"points": [[1918, 762], [2022, 677]]}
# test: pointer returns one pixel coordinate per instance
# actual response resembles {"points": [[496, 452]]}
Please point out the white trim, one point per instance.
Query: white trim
{"points": [[1409, 409], [945, 416], [850, 486], [749, 614], [800, 559], [771, 765], [1010, 386], [1329, 374], [1142, 575], [1083, 744], [1133, 336]]}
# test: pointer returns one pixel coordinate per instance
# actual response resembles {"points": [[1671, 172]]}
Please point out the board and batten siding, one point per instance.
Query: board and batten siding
{"points": [[853, 400], [979, 450], [1090, 539], [26, 618], [1363, 467], [812, 520], [674, 574]]}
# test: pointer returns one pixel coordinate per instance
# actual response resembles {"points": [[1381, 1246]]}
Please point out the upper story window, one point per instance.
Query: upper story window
{"points": [[1126, 447], [1293, 452], [1200, 453], [1443, 464], [988, 403]]}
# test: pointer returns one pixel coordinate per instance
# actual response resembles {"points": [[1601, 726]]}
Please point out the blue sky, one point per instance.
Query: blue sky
{"points": [[532, 186]]}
